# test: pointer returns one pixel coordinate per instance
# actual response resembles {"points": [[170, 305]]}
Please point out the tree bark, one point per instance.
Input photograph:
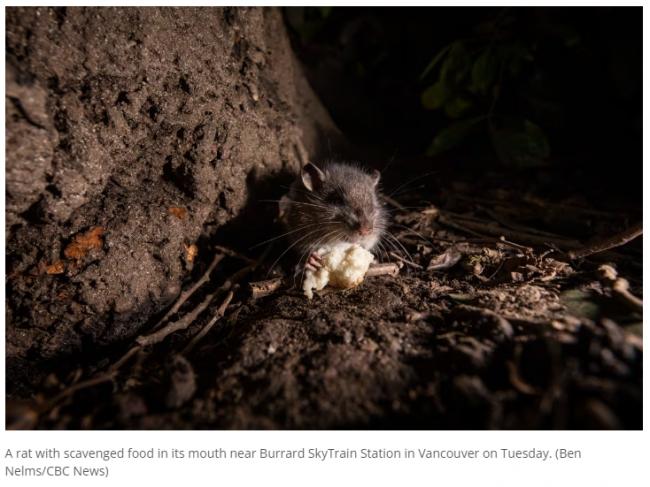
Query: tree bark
{"points": [[131, 132]]}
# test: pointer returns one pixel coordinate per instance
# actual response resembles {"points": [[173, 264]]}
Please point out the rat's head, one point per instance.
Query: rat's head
{"points": [[347, 196]]}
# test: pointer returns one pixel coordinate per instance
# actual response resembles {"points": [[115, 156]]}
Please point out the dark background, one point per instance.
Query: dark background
{"points": [[578, 79]]}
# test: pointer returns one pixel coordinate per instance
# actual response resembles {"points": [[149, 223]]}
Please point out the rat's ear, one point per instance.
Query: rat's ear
{"points": [[312, 177], [375, 175]]}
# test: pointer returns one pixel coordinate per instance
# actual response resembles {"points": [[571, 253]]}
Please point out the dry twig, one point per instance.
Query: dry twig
{"points": [[406, 261], [526, 250], [185, 295], [204, 331], [603, 244], [188, 319], [174, 326], [184, 322], [480, 229], [620, 288], [393, 202], [390, 269]]}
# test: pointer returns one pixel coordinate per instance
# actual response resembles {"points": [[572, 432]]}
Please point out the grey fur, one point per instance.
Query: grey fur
{"points": [[332, 203]]}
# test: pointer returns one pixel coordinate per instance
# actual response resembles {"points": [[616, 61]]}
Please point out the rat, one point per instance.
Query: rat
{"points": [[338, 202]]}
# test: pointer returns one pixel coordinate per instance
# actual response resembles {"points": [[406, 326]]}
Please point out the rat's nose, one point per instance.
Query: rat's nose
{"points": [[365, 230]]}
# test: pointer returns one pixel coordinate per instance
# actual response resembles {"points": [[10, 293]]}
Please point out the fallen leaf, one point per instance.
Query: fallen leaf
{"points": [[447, 259], [178, 212], [517, 277], [57, 268], [191, 251], [82, 243]]}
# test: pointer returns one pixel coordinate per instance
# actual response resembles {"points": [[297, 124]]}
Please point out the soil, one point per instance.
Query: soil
{"points": [[132, 195]]}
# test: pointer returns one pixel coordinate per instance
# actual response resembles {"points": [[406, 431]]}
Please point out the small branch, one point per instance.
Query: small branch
{"points": [[390, 269], [527, 250], [621, 288], [411, 241], [124, 358], [393, 203], [565, 208], [189, 318], [185, 295], [608, 243], [506, 222], [474, 227], [174, 326], [406, 261], [456, 226], [204, 331]]}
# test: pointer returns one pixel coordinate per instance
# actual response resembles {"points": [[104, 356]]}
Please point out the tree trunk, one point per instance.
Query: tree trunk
{"points": [[132, 132]]}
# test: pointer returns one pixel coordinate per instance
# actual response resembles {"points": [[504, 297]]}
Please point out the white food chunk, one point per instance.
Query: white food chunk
{"points": [[344, 266]]}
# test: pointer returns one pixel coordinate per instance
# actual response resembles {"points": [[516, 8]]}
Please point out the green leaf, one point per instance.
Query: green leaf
{"points": [[456, 107], [434, 62], [453, 135], [484, 71], [515, 56], [522, 146], [456, 65], [434, 96]]}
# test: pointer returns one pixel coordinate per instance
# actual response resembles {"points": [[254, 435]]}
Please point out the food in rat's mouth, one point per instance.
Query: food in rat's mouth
{"points": [[344, 265]]}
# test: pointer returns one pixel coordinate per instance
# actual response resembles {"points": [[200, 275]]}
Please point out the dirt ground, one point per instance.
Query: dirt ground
{"points": [[508, 310], [474, 332]]}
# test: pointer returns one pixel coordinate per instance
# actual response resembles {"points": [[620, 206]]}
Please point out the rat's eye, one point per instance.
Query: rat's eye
{"points": [[334, 198]]}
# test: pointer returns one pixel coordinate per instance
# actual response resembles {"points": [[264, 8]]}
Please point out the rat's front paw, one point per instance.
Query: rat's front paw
{"points": [[314, 262]]}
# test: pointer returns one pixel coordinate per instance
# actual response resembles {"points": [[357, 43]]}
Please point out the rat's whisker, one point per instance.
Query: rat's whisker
{"points": [[389, 244], [410, 181], [382, 248], [392, 237], [296, 203], [290, 247], [296, 230], [414, 233]]}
